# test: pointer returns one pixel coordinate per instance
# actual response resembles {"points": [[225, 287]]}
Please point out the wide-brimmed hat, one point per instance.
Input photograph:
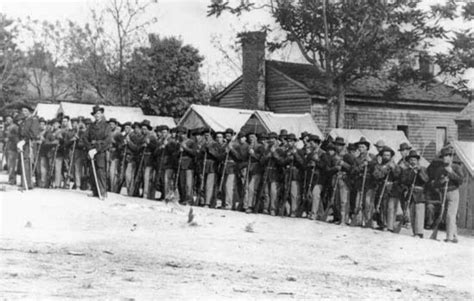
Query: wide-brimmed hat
{"points": [[446, 151], [380, 143], [404, 146], [304, 135], [113, 120], [283, 134], [330, 146], [26, 106], [74, 119], [262, 136], [229, 131], [272, 135], [181, 130], [351, 147], [314, 138], [291, 137], [66, 117], [339, 141], [412, 154], [206, 131], [96, 109], [162, 128], [127, 123], [197, 131], [363, 141], [136, 123], [147, 123], [387, 149]]}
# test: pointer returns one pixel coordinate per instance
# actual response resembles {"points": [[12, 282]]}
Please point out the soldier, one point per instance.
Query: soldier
{"points": [[134, 142], [114, 155], [385, 174], [187, 154], [80, 155], [415, 178], [149, 145], [272, 179], [12, 137], [98, 141], [63, 136], [163, 137], [379, 146], [230, 169], [170, 158], [315, 167], [29, 133], [37, 160], [364, 183], [448, 177], [214, 154], [340, 166], [400, 191], [252, 172]]}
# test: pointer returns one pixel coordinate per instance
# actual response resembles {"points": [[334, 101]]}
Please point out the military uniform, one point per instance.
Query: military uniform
{"points": [[29, 132], [315, 163], [251, 156], [98, 137], [148, 164], [215, 153], [186, 170], [134, 155], [12, 133]]}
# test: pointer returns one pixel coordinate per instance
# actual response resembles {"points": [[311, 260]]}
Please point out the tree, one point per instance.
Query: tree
{"points": [[347, 40], [12, 77], [164, 77]]}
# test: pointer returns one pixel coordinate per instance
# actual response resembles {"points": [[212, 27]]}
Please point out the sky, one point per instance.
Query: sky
{"points": [[184, 18]]}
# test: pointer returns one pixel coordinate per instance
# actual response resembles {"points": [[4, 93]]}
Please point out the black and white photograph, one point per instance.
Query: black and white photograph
{"points": [[236, 149]]}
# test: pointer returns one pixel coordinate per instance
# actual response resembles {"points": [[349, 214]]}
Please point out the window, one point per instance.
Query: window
{"points": [[404, 129], [350, 120], [441, 138]]}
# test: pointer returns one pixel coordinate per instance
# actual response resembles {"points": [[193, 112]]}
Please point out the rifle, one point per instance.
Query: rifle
{"points": [[262, 187], [35, 164], [53, 165], [201, 186], [434, 235], [122, 170], [287, 194], [4, 155], [407, 205], [71, 163], [382, 192], [23, 169], [138, 174], [221, 182], [332, 200], [361, 201], [172, 195], [309, 190]]}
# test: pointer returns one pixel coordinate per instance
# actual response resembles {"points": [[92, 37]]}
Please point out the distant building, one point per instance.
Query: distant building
{"points": [[425, 115], [465, 122]]}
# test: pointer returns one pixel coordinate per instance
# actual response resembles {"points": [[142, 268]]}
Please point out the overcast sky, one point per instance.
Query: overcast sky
{"points": [[184, 18]]}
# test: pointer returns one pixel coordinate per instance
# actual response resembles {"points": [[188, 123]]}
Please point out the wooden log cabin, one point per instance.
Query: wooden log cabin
{"points": [[427, 116]]}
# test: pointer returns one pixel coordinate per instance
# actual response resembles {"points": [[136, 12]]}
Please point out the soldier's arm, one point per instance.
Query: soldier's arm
{"points": [[456, 175], [189, 148]]}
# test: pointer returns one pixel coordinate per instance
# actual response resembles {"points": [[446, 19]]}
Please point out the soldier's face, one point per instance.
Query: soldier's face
{"points": [[339, 147], [128, 129], [447, 159], [64, 122], [386, 156], [9, 120], [228, 136], [113, 125], [404, 152], [98, 115], [413, 161], [219, 138], [164, 133], [25, 112], [56, 125], [362, 148], [75, 124], [208, 136], [272, 141], [42, 125]]}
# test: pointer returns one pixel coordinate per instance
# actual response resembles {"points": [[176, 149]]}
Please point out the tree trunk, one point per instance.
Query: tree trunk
{"points": [[332, 112], [341, 106]]}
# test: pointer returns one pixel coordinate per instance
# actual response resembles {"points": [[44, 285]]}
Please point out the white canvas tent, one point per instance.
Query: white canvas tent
{"points": [[465, 152], [160, 120], [122, 114], [265, 121], [46, 110], [216, 118], [393, 139]]}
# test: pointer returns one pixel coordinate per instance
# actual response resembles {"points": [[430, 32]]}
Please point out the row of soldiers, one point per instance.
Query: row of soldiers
{"points": [[276, 174]]}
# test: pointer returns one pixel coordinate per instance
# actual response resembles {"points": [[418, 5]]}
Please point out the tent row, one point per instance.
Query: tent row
{"points": [[122, 114]]}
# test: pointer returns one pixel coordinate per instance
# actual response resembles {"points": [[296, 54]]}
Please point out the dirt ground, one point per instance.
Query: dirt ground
{"points": [[59, 244]]}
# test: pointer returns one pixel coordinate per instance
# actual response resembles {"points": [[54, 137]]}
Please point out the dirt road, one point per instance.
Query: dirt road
{"points": [[57, 244]]}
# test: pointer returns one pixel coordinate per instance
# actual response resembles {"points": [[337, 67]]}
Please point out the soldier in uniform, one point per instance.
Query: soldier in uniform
{"points": [[414, 178], [12, 137], [448, 177], [80, 155], [98, 141], [198, 137], [340, 166], [187, 153], [315, 167], [170, 148], [163, 136], [63, 136], [363, 168], [230, 169], [215, 153], [114, 155], [134, 142], [29, 133], [150, 143], [386, 174], [253, 171]]}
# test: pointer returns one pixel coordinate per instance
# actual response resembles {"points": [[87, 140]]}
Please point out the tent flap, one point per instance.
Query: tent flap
{"points": [[465, 152]]}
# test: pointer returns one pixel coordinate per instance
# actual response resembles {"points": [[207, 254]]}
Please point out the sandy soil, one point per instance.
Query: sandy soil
{"points": [[58, 244]]}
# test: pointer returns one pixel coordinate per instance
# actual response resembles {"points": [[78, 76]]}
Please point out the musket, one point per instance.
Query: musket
{"points": [[262, 186], [201, 186], [122, 170], [382, 192], [407, 205], [287, 196], [53, 165], [333, 198], [221, 182], [71, 163], [35, 164], [361, 200], [434, 235], [138, 174]]}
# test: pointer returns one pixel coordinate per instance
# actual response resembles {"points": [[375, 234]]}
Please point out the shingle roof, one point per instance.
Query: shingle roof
{"points": [[467, 113], [307, 75]]}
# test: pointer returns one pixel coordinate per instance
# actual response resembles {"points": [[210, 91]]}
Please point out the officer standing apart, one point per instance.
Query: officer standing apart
{"points": [[98, 141]]}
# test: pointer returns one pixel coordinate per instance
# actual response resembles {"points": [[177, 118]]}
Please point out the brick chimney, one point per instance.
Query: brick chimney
{"points": [[426, 65], [253, 69]]}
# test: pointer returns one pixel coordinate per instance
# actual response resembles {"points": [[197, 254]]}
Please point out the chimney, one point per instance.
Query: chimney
{"points": [[253, 69], [426, 65]]}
